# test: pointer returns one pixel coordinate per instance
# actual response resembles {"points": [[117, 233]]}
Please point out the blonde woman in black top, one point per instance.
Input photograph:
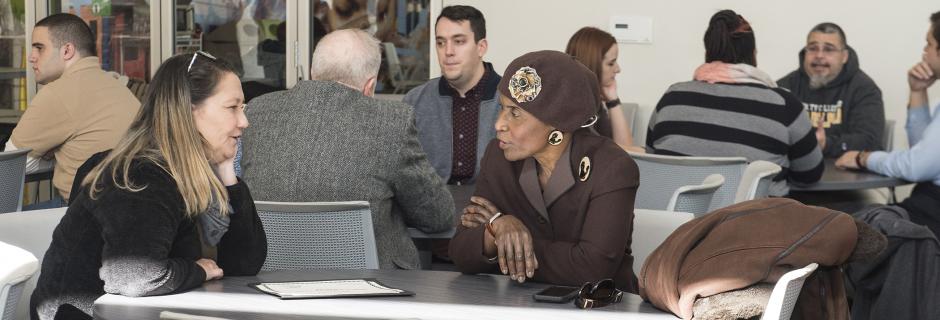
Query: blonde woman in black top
{"points": [[141, 214]]}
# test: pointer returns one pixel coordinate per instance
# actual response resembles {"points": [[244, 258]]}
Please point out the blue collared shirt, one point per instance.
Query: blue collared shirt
{"points": [[922, 161]]}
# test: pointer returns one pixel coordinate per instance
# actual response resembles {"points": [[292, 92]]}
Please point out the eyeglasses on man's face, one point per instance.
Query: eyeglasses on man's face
{"points": [[598, 294], [825, 49], [196, 54]]}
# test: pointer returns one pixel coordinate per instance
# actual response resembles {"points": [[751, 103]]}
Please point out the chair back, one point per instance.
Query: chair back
{"points": [[17, 266], [696, 199], [30, 231], [629, 114], [138, 88], [661, 176], [786, 291], [12, 175], [318, 235], [756, 181], [888, 138], [650, 229]]}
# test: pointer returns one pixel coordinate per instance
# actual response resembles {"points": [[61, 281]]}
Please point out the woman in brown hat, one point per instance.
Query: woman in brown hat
{"points": [[598, 51], [554, 201]]}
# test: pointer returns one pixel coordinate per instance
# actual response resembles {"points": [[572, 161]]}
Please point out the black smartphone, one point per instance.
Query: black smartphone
{"points": [[557, 294]]}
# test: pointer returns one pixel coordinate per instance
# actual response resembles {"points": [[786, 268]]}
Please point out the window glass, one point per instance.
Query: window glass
{"points": [[13, 50], [122, 32], [249, 34], [401, 25]]}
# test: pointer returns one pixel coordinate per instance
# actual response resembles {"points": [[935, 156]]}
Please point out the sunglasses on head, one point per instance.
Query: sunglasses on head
{"points": [[598, 294], [198, 53]]}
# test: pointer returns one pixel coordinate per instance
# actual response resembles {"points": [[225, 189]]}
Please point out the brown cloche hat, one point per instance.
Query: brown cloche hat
{"points": [[554, 87]]}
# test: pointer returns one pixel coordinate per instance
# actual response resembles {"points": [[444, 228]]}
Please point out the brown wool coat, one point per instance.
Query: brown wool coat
{"points": [[582, 234], [750, 242]]}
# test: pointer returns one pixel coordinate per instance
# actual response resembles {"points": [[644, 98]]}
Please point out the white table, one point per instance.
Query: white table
{"points": [[438, 295]]}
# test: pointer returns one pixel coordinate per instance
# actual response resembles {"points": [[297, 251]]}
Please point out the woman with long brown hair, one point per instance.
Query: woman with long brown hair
{"points": [[163, 211], [598, 51]]}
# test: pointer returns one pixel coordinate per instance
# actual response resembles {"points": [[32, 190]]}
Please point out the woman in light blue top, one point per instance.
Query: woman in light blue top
{"points": [[920, 163]]}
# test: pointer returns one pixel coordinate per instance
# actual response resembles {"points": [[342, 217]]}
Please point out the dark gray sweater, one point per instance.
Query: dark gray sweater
{"points": [[137, 244], [851, 105]]}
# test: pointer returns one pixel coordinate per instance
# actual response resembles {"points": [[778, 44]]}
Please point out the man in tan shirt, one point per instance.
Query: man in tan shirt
{"points": [[80, 110]]}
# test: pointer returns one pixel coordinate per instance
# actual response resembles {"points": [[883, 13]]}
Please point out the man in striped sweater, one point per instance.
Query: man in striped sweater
{"points": [[734, 109]]}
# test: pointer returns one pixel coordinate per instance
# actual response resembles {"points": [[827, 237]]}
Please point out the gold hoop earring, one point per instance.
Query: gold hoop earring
{"points": [[555, 137]]}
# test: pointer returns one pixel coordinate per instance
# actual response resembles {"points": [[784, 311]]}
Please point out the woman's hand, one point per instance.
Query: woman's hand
{"points": [[469, 219], [610, 91], [225, 170], [476, 214], [514, 249], [212, 270], [920, 76]]}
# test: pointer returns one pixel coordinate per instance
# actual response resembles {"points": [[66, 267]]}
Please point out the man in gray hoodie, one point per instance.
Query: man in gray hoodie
{"points": [[837, 94]]}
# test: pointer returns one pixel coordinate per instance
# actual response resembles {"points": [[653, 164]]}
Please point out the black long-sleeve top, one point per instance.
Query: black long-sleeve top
{"points": [[137, 243]]}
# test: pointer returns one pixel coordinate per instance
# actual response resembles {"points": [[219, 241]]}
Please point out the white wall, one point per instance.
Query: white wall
{"points": [[889, 37]]}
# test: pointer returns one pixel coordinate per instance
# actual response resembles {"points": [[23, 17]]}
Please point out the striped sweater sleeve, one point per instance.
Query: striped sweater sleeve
{"points": [[806, 160]]}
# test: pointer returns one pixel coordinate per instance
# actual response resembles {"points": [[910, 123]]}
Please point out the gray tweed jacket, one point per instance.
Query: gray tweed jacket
{"points": [[322, 141]]}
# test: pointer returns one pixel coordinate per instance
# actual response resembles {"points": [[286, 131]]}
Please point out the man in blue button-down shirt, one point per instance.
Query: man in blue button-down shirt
{"points": [[921, 163]]}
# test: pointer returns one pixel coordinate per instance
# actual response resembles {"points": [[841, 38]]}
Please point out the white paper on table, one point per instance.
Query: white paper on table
{"points": [[327, 288]]}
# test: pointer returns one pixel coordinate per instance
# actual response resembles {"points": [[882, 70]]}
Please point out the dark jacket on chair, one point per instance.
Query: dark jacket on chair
{"points": [[904, 281]]}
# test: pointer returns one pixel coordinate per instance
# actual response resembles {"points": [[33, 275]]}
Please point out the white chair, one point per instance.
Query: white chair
{"points": [[650, 229], [756, 181], [661, 175], [12, 175], [400, 79], [696, 199], [30, 231], [888, 138], [16, 268], [318, 235], [786, 291]]}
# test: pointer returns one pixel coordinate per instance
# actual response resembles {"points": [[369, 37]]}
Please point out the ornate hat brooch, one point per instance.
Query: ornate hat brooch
{"points": [[525, 85]]}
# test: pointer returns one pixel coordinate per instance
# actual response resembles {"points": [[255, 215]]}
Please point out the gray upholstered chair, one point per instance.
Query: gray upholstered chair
{"points": [[888, 138], [629, 114], [661, 176], [16, 267], [12, 175], [318, 235], [697, 198]]}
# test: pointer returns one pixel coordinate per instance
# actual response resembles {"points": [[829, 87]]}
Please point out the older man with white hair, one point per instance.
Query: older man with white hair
{"points": [[327, 139]]}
